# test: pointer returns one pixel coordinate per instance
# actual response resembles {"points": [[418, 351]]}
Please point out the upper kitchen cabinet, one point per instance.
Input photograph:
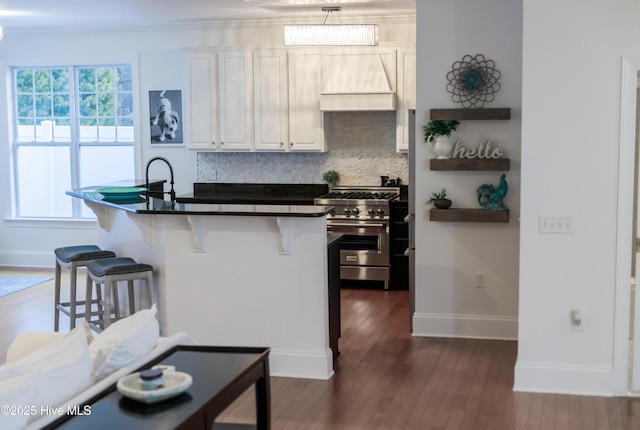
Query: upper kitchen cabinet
{"points": [[219, 100], [270, 100], [305, 117], [406, 96], [235, 100], [202, 100]]}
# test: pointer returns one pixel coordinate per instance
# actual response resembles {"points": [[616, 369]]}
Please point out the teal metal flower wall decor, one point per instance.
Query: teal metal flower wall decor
{"points": [[473, 81]]}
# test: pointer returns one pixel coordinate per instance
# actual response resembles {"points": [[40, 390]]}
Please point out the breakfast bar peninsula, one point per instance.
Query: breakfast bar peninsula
{"points": [[230, 274]]}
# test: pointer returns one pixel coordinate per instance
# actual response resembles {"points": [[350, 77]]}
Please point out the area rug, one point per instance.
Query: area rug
{"points": [[11, 284]]}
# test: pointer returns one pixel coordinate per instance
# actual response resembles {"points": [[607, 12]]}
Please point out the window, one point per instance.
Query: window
{"points": [[73, 127]]}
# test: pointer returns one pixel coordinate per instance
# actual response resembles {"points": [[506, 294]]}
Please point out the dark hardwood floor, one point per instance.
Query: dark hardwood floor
{"points": [[385, 378]]}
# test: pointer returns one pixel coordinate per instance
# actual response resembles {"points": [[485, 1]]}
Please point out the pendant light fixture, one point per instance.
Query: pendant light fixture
{"points": [[331, 35]]}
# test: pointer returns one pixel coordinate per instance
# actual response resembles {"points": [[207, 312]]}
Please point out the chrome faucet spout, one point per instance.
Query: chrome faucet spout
{"points": [[171, 193]]}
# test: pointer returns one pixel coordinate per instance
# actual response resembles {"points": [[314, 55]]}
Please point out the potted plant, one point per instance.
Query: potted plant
{"points": [[436, 134], [331, 177], [439, 199]]}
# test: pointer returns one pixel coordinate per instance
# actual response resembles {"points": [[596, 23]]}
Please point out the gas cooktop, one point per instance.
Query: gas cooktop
{"points": [[359, 202], [361, 193]]}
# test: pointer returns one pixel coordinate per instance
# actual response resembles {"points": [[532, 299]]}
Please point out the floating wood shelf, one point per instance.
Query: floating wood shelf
{"points": [[468, 215], [471, 114], [470, 164]]}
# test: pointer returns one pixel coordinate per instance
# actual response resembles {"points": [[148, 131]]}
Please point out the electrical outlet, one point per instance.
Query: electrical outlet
{"points": [[481, 280], [577, 320], [213, 175], [555, 224]]}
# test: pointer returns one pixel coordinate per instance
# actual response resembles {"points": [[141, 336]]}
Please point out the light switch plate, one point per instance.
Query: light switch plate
{"points": [[555, 224]]}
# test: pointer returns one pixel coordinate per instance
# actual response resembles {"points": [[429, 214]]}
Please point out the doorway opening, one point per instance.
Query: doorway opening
{"points": [[626, 359]]}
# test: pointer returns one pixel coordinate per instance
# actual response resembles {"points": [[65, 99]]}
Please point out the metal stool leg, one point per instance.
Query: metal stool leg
{"points": [[88, 293], [99, 301], [106, 320], [101, 304], [72, 293], [116, 299], [89, 302], [56, 317], [131, 298], [150, 294]]}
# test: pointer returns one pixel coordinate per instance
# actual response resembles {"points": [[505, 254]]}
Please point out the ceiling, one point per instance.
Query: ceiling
{"points": [[32, 15]]}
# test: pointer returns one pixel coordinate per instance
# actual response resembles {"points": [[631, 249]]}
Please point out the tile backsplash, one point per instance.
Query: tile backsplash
{"points": [[361, 147]]}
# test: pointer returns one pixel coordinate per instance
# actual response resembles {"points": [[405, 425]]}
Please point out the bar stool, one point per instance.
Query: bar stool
{"points": [[72, 257], [108, 272]]}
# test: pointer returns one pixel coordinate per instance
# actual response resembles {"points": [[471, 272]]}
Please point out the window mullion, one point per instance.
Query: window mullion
{"points": [[74, 149]]}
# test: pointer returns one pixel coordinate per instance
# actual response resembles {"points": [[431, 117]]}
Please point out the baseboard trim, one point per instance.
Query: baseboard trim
{"points": [[296, 364], [465, 326], [27, 259], [564, 379]]}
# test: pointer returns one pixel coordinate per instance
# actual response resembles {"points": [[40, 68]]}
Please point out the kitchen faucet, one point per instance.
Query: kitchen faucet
{"points": [[171, 193]]}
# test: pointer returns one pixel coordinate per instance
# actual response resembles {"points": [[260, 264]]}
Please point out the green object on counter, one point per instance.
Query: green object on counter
{"points": [[331, 176], [121, 193]]}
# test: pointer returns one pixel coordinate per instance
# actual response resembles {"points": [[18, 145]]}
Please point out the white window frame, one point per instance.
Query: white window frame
{"points": [[11, 198]]}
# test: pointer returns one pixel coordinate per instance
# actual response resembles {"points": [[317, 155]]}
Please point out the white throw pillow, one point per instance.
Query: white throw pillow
{"points": [[123, 342], [16, 396], [54, 373], [29, 341]]}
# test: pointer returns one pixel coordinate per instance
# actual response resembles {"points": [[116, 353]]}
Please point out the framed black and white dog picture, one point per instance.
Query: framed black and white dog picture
{"points": [[165, 109]]}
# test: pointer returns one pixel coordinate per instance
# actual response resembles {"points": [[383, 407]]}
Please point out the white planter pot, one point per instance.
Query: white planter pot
{"points": [[441, 145]]}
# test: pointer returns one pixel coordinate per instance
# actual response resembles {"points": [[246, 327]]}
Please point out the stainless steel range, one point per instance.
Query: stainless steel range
{"points": [[362, 216]]}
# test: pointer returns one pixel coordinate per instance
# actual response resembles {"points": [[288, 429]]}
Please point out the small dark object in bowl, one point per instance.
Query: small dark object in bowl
{"points": [[150, 374], [442, 204], [151, 379]]}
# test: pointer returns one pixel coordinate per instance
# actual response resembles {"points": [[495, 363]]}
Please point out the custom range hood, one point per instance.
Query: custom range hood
{"points": [[358, 82]]}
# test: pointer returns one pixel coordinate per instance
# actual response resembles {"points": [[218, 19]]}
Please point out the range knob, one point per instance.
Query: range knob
{"points": [[346, 211], [355, 211], [380, 211], [371, 211]]}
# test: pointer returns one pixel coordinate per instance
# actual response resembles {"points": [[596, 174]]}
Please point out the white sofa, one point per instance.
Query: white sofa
{"points": [[63, 370]]}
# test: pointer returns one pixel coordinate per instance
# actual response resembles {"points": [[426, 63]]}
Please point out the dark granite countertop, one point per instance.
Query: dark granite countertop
{"points": [[150, 205], [234, 193]]}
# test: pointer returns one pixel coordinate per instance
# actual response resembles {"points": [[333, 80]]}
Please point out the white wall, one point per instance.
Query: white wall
{"points": [[161, 66], [570, 141], [448, 255], [571, 80]]}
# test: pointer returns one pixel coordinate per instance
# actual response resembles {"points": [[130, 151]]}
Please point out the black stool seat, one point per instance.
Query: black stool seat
{"points": [[116, 266], [82, 253]]}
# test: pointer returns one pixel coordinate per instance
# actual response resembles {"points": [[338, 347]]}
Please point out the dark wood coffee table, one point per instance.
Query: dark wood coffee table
{"points": [[220, 375]]}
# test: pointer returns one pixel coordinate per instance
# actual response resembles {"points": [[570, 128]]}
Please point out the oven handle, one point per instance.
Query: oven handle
{"points": [[333, 224]]}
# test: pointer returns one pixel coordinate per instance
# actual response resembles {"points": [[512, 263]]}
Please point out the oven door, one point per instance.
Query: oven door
{"points": [[364, 243]]}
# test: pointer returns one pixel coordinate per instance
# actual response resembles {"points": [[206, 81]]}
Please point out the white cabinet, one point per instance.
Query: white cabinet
{"points": [[235, 86], [268, 98], [305, 117], [219, 101], [271, 122], [406, 96], [202, 100]]}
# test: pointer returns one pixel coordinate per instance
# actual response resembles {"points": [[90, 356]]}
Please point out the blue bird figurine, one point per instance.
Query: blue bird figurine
{"points": [[490, 197]]}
